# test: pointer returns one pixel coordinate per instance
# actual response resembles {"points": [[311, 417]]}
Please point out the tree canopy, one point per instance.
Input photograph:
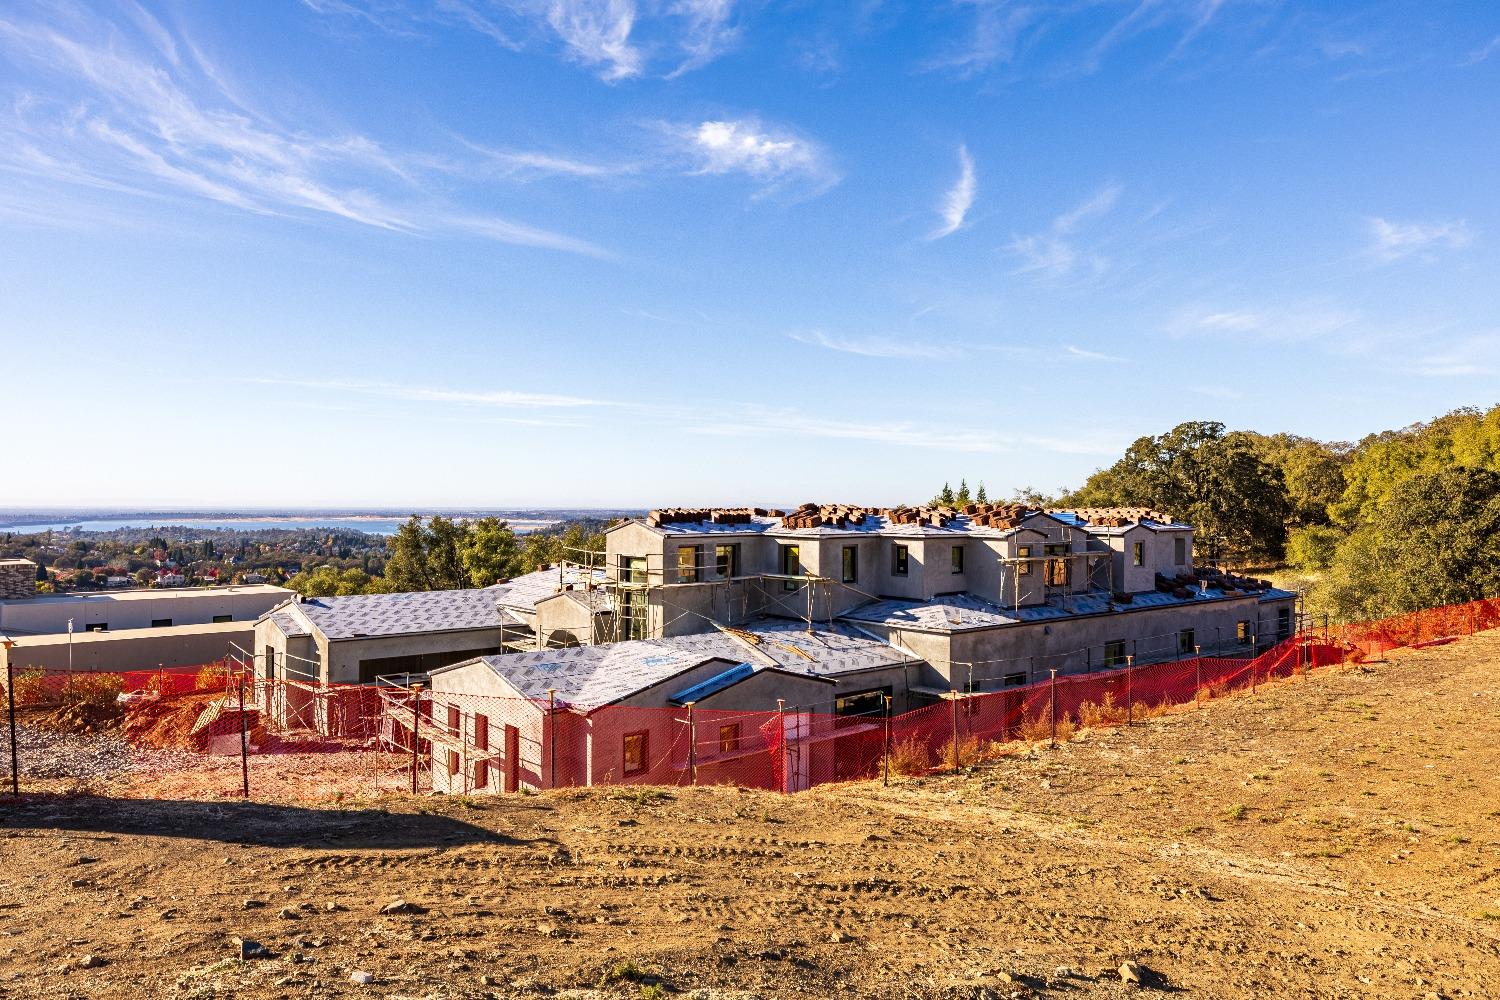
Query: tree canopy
{"points": [[1199, 473]]}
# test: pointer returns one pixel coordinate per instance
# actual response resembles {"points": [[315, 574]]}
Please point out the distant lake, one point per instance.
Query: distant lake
{"points": [[373, 525]]}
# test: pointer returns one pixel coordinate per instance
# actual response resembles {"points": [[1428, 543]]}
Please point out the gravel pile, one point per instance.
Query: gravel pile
{"points": [[48, 754]]}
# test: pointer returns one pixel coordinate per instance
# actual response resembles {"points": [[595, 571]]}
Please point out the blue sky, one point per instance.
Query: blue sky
{"points": [[637, 252]]}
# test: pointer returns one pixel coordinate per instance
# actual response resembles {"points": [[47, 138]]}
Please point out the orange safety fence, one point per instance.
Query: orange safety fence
{"points": [[221, 730]]}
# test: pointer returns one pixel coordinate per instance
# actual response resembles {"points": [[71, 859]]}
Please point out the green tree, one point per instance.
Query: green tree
{"points": [[330, 581], [980, 496], [962, 496], [1433, 540], [945, 497], [1313, 547], [1200, 474], [489, 551]]}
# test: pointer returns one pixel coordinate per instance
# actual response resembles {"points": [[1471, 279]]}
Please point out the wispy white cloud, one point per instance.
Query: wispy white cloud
{"points": [[125, 111], [775, 157], [877, 347], [1078, 353], [1460, 357], [597, 34], [707, 32], [955, 436], [1393, 241], [1297, 322], [1482, 53], [1055, 253], [617, 39], [503, 399], [960, 197]]}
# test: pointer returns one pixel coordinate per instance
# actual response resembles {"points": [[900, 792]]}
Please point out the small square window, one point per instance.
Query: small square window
{"points": [[689, 559], [729, 737], [96, 627], [1138, 554], [1187, 639], [635, 753], [1242, 633], [1114, 653], [727, 560], [1023, 553], [1179, 550], [221, 619], [1014, 680], [958, 559], [900, 561], [161, 623]]}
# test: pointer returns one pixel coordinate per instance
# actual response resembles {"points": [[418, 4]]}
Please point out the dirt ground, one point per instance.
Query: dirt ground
{"points": [[1337, 836]]}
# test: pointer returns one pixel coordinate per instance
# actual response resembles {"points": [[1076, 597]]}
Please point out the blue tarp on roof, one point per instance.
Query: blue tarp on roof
{"points": [[717, 682]]}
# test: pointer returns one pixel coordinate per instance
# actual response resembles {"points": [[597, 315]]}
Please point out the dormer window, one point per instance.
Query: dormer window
{"points": [[900, 561]]}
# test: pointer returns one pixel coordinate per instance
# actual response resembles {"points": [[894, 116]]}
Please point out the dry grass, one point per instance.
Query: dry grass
{"points": [[910, 757], [93, 689], [213, 677], [1094, 715]]}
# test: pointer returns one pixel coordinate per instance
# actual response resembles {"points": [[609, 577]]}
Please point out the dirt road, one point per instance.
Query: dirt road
{"points": [[1337, 836]]}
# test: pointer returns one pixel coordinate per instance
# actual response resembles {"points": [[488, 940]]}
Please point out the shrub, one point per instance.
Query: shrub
{"points": [[93, 689], [32, 688], [969, 753], [1105, 713], [910, 757], [159, 684], [213, 677]]}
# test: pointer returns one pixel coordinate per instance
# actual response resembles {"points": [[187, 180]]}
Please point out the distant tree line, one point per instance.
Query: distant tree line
{"points": [[442, 553]]}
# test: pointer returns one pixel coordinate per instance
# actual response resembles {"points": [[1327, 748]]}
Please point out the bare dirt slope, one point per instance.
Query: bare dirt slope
{"points": [[1335, 836]]}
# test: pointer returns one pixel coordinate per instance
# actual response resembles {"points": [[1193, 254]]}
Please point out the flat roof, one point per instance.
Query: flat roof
{"points": [[127, 634], [149, 594]]}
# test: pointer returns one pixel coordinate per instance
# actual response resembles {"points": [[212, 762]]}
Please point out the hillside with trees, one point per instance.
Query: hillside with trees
{"points": [[1400, 520]]}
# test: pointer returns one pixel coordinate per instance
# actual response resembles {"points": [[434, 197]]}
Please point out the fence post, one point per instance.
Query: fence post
{"points": [[953, 694], [786, 758], [10, 697], [1129, 692], [1053, 697], [692, 744], [886, 760], [244, 742], [552, 738], [1198, 663], [416, 729]]}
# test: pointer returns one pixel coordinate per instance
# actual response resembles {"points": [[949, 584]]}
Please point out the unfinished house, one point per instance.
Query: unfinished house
{"points": [[532, 720], [358, 639], [988, 595]]}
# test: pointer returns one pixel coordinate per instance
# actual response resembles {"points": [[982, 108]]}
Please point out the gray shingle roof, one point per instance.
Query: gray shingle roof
{"points": [[523, 592], [962, 612], [590, 676], [404, 614]]}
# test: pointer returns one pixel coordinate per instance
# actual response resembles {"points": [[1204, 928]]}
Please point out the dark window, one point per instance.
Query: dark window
{"points": [[1138, 554], [851, 564], [957, 558], [220, 619], [1114, 653], [1242, 633], [1014, 680], [97, 627], [482, 744], [1179, 550], [270, 663], [1186, 640], [862, 703], [900, 561], [791, 565], [1023, 553], [689, 558], [1058, 567], [633, 569], [635, 753], [1283, 622], [727, 560], [729, 737], [161, 623]]}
